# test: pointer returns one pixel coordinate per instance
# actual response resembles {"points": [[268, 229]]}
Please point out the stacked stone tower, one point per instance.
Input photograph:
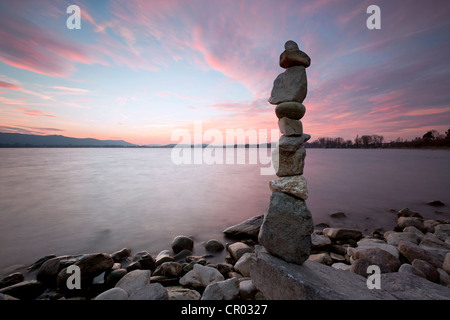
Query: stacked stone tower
{"points": [[287, 227]]}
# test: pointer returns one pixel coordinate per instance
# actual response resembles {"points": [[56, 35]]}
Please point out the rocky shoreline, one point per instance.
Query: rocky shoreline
{"points": [[415, 247]]}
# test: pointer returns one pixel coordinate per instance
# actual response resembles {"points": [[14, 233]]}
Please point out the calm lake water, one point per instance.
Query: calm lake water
{"points": [[71, 201]]}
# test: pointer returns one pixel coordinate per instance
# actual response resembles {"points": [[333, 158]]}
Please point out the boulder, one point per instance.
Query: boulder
{"points": [[377, 256], [431, 242], [247, 290], [309, 281], [287, 227], [290, 85], [427, 269], [25, 290], [414, 230], [11, 279], [182, 242], [39, 262], [430, 224], [134, 280], [341, 233], [412, 251], [113, 294], [145, 260], [214, 245], [176, 293], [222, 290], [248, 228], [289, 114], [292, 58], [408, 268], [152, 291], [245, 264], [238, 249], [201, 276], [295, 185], [168, 269], [163, 256], [375, 243], [408, 213], [404, 222], [50, 269], [121, 254], [442, 231], [393, 238]]}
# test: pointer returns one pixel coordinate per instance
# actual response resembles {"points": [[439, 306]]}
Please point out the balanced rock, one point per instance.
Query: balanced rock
{"points": [[290, 127], [293, 56], [287, 227], [288, 163], [290, 85], [291, 110], [295, 185]]}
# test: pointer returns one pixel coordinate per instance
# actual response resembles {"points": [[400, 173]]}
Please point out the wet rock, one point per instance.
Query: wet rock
{"points": [[248, 228], [50, 269], [182, 242], [404, 222], [169, 269], [163, 256], [25, 290], [214, 245], [412, 251], [146, 260], [338, 215], [245, 264], [408, 213], [39, 262], [134, 266], [121, 254], [113, 294], [442, 231], [11, 279], [436, 203], [222, 290], [114, 276]]}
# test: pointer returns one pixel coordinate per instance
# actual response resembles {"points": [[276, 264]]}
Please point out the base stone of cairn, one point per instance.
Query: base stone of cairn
{"points": [[287, 226]]}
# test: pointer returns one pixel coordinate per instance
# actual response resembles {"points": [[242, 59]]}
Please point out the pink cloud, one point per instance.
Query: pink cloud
{"points": [[9, 86]]}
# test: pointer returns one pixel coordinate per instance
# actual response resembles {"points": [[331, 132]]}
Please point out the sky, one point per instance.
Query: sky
{"points": [[138, 70]]}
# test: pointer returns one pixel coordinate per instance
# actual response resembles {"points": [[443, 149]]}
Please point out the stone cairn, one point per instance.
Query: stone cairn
{"points": [[287, 227]]}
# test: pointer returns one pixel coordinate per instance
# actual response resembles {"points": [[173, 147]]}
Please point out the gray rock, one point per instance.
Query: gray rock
{"points": [[290, 85], [238, 249], [248, 228], [360, 267], [289, 114], [214, 245], [152, 291], [11, 279], [145, 259], [412, 251], [309, 281], [25, 290], [287, 227], [120, 255], [50, 269], [201, 276], [134, 280], [168, 269], [222, 290], [376, 243], [442, 231], [414, 230], [341, 266], [407, 268], [444, 277], [176, 293], [133, 266], [377, 256], [436, 203], [393, 238], [224, 268], [182, 242], [182, 254], [245, 264], [163, 256], [113, 294], [319, 241], [408, 213], [338, 215], [114, 276], [291, 144], [322, 258], [288, 163], [247, 290], [292, 58], [428, 270], [295, 185], [404, 222], [409, 287], [39, 262], [430, 224], [430, 241], [446, 263], [341, 233]]}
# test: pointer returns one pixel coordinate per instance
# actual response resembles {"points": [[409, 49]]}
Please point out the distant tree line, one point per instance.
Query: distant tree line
{"points": [[431, 139]]}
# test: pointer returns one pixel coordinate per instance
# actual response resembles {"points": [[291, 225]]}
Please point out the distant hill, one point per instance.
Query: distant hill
{"points": [[30, 140]]}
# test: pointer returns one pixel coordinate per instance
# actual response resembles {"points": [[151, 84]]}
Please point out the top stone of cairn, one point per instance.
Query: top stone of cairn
{"points": [[292, 56]]}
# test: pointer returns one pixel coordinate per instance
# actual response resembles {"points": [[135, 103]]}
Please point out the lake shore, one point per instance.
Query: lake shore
{"points": [[414, 246]]}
